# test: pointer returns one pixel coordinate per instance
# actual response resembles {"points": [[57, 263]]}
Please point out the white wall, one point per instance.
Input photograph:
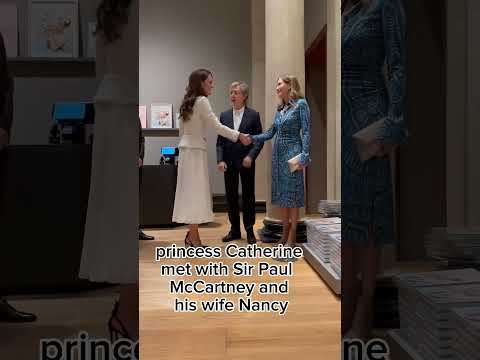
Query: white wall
{"points": [[35, 96], [177, 37], [87, 10]]}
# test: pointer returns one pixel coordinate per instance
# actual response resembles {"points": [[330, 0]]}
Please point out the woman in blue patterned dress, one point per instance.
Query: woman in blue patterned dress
{"points": [[373, 88], [292, 129]]}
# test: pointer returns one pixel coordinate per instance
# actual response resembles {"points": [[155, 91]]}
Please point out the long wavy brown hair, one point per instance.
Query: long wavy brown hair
{"points": [[193, 90], [111, 16]]}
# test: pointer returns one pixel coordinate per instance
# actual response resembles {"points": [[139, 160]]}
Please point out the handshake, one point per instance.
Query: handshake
{"points": [[245, 139]]}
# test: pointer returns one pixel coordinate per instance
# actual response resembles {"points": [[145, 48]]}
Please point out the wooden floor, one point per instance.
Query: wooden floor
{"points": [[60, 317], [309, 331]]}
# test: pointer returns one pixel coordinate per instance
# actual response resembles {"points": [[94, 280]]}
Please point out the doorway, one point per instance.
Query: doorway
{"points": [[316, 94]]}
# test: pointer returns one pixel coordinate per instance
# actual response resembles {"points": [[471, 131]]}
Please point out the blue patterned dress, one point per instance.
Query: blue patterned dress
{"points": [[292, 127], [373, 40]]}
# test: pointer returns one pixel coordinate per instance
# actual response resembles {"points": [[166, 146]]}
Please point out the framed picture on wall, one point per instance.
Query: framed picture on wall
{"points": [[161, 116], [142, 114], [9, 28], [54, 29]]}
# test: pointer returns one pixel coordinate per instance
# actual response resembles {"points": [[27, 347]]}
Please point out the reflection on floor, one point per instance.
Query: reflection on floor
{"points": [[59, 317], [310, 330]]}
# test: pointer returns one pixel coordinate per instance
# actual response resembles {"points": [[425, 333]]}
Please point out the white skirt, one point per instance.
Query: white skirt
{"points": [[110, 243], [193, 197]]}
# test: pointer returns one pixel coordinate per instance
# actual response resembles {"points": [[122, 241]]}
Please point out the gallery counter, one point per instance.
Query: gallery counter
{"points": [[43, 203], [158, 195]]}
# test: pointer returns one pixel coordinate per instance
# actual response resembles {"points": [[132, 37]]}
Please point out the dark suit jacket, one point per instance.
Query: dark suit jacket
{"points": [[141, 140], [6, 91], [234, 153]]}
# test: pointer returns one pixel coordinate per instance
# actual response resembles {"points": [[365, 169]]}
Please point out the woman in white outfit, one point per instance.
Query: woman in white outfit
{"points": [[193, 198], [110, 248]]}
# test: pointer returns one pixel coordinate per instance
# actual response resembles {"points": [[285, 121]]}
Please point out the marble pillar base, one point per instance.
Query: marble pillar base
{"points": [[272, 231]]}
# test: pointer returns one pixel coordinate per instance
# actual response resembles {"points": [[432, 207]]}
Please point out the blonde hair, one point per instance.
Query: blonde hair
{"points": [[243, 88], [294, 84]]}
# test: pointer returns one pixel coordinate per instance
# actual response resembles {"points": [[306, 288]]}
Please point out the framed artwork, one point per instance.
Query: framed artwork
{"points": [[161, 116], [142, 114], [9, 27], [91, 40], [54, 29]]}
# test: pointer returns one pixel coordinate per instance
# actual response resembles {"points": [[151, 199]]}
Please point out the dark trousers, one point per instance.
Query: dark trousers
{"points": [[247, 176]]}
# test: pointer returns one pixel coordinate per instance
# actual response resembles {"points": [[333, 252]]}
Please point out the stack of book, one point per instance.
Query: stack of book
{"points": [[318, 232], [464, 244], [448, 243], [466, 337], [330, 208], [426, 301], [436, 243], [318, 249], [336, 253], [436, 330]]}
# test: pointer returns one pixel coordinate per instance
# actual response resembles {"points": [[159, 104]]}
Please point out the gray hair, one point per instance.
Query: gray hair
{"points": [[243, 88]]}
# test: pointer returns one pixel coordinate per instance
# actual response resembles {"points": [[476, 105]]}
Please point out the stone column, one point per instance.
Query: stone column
{"points": [[463, 110], [257, 89], [284, 54], [472, 124], [334, 75], [456, 111]]}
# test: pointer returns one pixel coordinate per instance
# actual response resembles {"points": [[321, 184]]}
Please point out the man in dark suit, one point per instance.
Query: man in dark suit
{"points": [[7, 312], [141, 234], [238, 161]]}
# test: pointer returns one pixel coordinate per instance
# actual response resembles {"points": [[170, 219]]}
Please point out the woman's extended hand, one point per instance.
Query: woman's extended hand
{"points": [[245, 139]]}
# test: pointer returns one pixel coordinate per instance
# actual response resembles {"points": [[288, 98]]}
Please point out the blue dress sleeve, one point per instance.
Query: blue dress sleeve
{"points": [[305, 123], [267, 135], [395, 129]]}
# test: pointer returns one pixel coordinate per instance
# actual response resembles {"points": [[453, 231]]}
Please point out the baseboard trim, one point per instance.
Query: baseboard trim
{"points": [[220, 204]]}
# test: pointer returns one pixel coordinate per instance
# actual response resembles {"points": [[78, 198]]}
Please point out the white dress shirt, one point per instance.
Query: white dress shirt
{"points": [[237, 117]]}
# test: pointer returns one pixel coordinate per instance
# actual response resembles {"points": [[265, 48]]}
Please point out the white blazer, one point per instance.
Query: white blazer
{"points": [[195, 128]]}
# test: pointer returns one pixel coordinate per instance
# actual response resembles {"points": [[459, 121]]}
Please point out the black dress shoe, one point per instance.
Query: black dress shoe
{"points": [[251, 239], [231, 236], [9, 314], [143, 236]]}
